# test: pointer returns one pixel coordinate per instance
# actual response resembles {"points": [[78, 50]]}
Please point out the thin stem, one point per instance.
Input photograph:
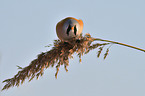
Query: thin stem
{"points": [[98, 39]]}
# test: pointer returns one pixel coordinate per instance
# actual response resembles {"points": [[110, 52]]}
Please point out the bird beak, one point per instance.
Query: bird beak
{"points": [[72, 28]]}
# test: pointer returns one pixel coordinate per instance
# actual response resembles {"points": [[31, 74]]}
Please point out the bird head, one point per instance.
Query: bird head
{"points": [[69, 28]]}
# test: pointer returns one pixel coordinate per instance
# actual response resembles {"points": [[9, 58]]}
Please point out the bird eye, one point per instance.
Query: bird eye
{"points": [[68, 29], [75, 30]]}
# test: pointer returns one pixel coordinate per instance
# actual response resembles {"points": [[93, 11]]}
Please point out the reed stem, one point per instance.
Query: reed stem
{"points": [[114, 42]]}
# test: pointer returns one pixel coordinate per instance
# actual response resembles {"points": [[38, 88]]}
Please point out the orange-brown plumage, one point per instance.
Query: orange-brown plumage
{"points": [[69, 28]]}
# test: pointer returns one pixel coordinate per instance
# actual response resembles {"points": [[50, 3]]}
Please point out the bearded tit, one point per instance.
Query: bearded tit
{"points": [[69, 28]]}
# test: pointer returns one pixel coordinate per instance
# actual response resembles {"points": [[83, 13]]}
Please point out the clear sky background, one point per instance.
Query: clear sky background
{"points": [[27, 26]]}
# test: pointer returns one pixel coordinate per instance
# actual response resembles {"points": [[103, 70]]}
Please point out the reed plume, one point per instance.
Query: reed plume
{"points": [[58, 56]]}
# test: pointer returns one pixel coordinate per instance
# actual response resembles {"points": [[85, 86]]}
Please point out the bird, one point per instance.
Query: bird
{"points": [[69, 28]]}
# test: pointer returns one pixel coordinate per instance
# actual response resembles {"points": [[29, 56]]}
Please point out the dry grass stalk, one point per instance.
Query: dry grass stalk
{"points": [[114, 42], [59, 55]]}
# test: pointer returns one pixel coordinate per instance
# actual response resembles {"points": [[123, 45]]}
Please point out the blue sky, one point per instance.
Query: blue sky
{"points": [[27, 26]]}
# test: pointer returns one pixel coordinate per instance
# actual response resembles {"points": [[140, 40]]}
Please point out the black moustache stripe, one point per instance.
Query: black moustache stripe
{"points": [[75, 30], [68, 30]]}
